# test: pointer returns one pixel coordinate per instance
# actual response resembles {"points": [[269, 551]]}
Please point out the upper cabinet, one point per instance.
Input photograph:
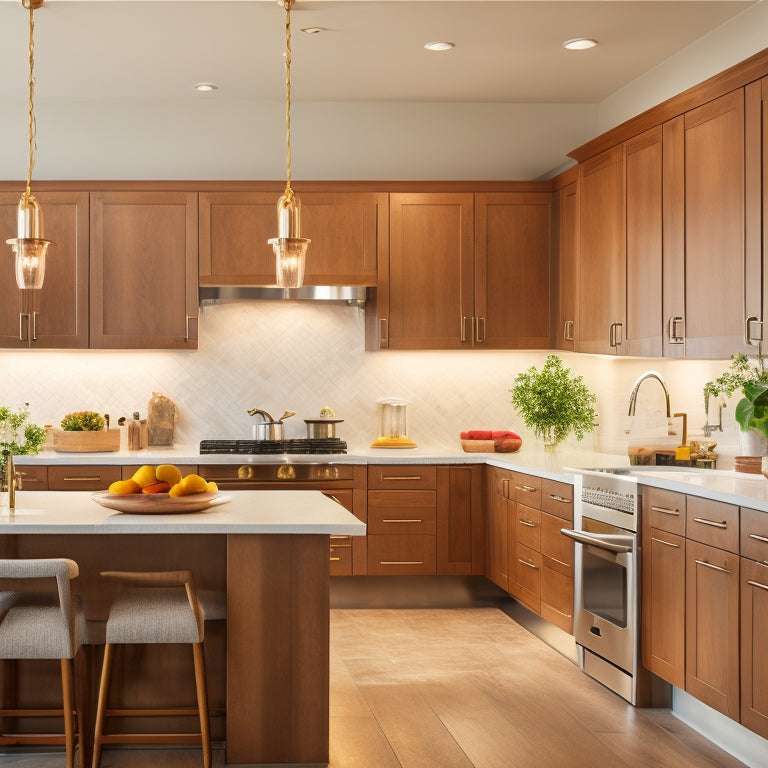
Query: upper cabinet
{"points": [[143, 281], [566, 298], [465, 270], [345, 229], [55, 316], [715, 274]]}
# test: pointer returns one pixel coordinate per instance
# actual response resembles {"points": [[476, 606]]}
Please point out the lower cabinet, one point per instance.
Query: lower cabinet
{"points": [[82, 478]]}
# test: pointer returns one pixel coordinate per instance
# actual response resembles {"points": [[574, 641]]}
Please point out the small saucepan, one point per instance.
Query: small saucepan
{"points": [[323, 428]]}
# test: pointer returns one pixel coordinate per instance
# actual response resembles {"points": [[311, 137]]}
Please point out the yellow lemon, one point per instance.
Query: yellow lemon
{"points": [[168, 473], [176, 490], [212, 487], [124, 487], [144, 476], [194, 484]]}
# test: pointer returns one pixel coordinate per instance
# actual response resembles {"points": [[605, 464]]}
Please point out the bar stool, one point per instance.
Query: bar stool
{"points": [[40, 624], [152, 608]]}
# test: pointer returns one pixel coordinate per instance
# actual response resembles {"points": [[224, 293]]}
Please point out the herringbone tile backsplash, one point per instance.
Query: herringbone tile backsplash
{"points": [[301, 356]]}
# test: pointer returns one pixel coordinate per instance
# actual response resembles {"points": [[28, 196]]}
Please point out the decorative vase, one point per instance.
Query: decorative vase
{"points": [[550, 442], [753, 443]]}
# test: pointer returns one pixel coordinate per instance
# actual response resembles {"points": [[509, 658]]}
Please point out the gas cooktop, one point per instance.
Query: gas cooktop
{"points": [[314, 445]]}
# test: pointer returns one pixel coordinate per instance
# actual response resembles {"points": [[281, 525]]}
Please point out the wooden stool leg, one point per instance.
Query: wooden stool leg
{"points": [[101, 707], [68, 705], [202, 702]]}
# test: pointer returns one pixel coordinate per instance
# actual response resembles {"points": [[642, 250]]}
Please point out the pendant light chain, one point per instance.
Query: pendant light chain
{"points": [[32, 125], [288, 191]]}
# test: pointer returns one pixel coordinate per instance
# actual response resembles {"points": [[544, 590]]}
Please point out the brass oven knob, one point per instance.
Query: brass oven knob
{"points": [[245, 472]]}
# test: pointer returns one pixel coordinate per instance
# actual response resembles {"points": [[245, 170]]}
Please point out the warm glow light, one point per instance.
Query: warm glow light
{"points": [[30, 261], [203, 87], [439, 45], [290, 253], [579, 43]]}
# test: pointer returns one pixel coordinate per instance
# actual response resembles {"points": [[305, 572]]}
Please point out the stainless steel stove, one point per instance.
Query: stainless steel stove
{"points": [[314, 445]]}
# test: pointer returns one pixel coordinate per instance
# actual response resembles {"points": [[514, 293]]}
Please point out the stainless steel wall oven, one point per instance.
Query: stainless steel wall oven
{"points": [[606, 584]]}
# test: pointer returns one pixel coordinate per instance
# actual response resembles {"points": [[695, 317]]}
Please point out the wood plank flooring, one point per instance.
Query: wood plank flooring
{"points": [[463, 688]]}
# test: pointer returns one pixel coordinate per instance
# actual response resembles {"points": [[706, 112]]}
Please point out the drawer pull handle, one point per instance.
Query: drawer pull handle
{"points": [[560, 562], [757, 584], [530, 565], [713, 523], [665, 543], [401, 562], [338, 537], [527, 523], [665, 511], [528, 488], [402, 520], [758, 538], [335, 559], [505, 488], [713, 567], [401, 477], [562, 499], [81, 479]]}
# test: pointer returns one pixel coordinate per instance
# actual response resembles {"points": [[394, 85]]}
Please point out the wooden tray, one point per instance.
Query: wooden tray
{"points": [[158, 503], [86, 442]]}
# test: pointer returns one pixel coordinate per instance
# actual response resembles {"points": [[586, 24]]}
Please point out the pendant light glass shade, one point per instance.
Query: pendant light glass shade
{"points": [[29, 246]]}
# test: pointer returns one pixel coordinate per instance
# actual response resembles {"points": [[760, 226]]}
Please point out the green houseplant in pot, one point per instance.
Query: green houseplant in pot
{"points": [[17, 434], [553, 402], [752, 410]]}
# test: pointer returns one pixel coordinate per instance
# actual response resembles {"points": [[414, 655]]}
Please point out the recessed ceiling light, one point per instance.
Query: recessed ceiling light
{"points": [[206, 87], [312, 30], [579, 44], [439, 45]]}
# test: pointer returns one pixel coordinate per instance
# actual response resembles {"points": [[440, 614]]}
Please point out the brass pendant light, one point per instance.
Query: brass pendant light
{"points": [[29, 244], [289, 247]]}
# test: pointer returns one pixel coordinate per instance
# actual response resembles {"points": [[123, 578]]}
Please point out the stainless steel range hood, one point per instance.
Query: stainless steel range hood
{"points": [[351, 294]]}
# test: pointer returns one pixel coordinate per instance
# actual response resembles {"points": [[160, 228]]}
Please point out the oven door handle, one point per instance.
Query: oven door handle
{"points": [[601, 541]]}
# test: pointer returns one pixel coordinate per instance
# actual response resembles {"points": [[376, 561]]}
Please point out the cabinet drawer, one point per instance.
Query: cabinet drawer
{"points": [[557, 499], [556, 549], [341, 555], [754, 535], [77, 478], [528, 578], [713, 522], [33, 478], [404, 512], [402, 476], [400, 555], [557, 599], [528, 527], [664, 510], [528, 490]]}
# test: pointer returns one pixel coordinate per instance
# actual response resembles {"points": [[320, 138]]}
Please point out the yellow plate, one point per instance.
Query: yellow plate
{"points": [[158, 503]]}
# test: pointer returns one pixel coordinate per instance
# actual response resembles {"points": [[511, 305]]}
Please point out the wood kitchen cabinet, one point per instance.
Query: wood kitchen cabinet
{"points": [[143, 270], [81, 477], [602, 252], [499, 503], [56, 315], [663, 584], [564, 332], [347, 230]]}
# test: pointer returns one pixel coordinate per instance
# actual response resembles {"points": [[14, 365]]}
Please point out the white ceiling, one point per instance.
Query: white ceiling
{"points": [[506, 52]]}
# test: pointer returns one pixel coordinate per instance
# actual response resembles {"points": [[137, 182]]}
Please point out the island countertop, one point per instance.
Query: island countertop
{"points": [[254, 512]]}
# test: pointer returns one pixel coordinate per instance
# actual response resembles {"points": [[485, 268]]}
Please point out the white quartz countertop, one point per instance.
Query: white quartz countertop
{"points": [[255, 512]]}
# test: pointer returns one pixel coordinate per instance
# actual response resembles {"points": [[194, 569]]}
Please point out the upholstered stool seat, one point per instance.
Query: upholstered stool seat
{"points": [[41, 623], [154, 608]]}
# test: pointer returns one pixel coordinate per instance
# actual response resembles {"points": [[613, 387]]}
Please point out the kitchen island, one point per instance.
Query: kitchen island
{"points": [[266, 551]]}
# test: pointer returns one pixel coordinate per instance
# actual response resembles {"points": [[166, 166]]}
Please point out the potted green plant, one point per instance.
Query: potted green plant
{"points": [[752, 410], [17, 435], [553, 402], [84, 431]]}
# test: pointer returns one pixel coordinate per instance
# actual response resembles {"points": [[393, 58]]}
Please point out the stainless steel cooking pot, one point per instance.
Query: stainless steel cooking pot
{"points": [[321, 427], [268, 428]]}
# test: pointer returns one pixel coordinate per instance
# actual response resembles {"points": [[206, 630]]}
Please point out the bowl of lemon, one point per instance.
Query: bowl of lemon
{"points": [[161, 489]]}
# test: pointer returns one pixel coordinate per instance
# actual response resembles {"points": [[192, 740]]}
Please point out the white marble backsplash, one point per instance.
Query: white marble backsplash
{"points": [[301, 356]]}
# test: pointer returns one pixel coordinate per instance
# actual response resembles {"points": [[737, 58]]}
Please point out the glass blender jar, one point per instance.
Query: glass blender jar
{"points": [[391, 424]]}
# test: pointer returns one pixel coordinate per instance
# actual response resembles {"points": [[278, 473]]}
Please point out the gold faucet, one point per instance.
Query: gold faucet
{"points": [[10, 480]]}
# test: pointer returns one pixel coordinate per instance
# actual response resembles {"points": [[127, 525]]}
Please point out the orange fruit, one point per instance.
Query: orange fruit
{"points": [[168, 473], [123, 487], [156, 488], [194, 484], [212, 487], [176, 490], [144, 476]]}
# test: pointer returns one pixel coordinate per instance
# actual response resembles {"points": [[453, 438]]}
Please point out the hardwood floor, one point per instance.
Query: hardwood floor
{"points": [[463, 687]]}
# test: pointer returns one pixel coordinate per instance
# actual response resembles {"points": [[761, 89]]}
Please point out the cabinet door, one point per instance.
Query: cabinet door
{"points": [[430, 280], [55, 316], [82, 478], [344, 228], [712, 627], [498, 484], [602, 248], [564, 331], [460, 520], [663, 605], [754, 662], [714, 227], [643, 317], [144, 270], [512, 270]]}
